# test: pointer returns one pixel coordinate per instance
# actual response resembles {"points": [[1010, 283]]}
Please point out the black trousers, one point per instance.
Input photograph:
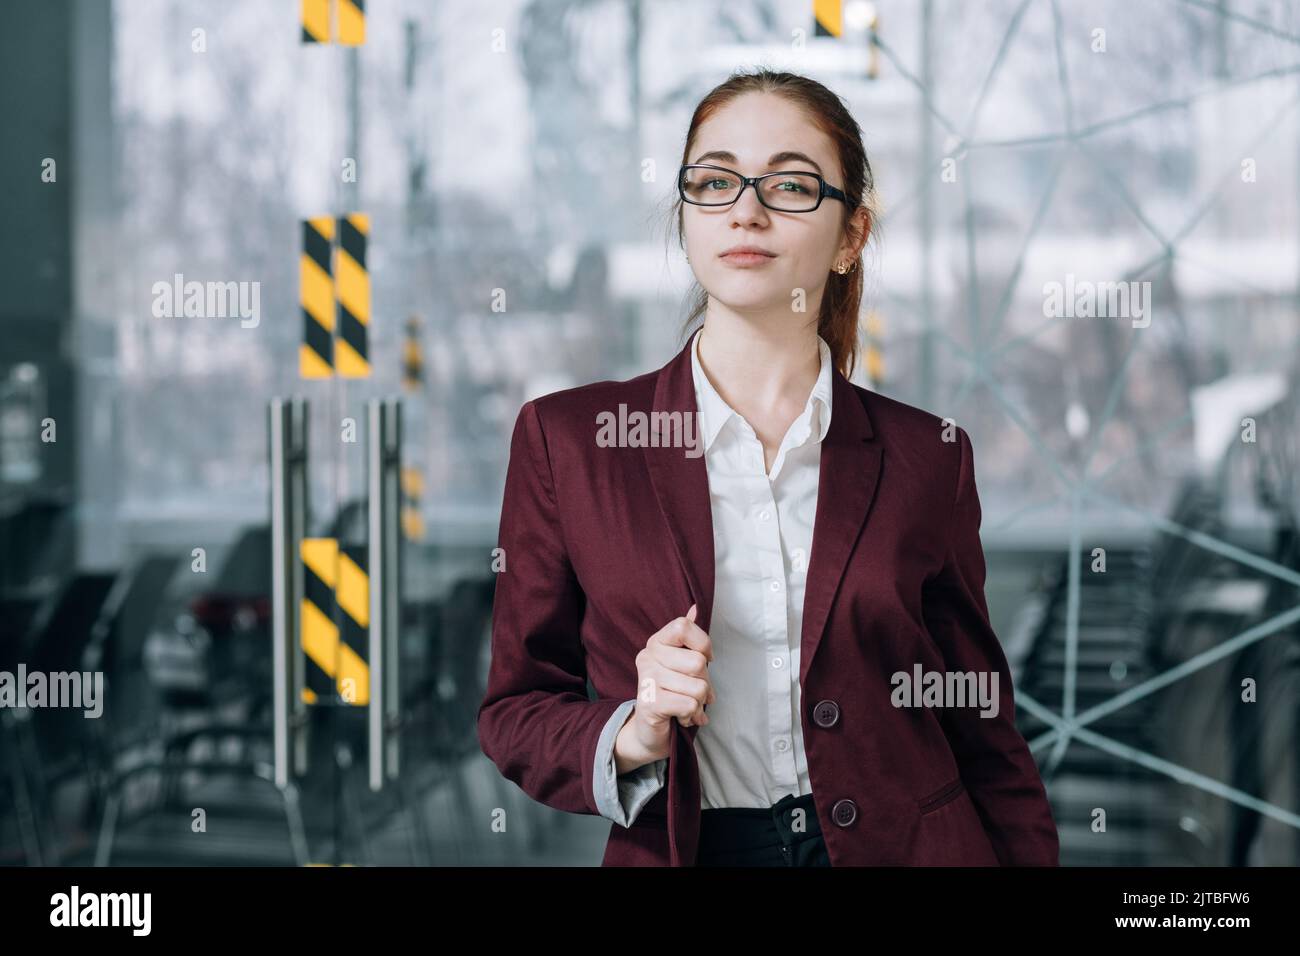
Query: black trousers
{"points": [[749, 836]]}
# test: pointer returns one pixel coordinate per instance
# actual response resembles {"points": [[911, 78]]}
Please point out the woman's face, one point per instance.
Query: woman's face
{"points": [[759, 133]]}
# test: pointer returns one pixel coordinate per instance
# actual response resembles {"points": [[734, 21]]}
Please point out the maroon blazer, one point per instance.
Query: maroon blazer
{"points": [[603, 546]]}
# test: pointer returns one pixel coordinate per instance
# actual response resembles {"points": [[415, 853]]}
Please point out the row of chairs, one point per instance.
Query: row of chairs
{"points": [[178, 768]]}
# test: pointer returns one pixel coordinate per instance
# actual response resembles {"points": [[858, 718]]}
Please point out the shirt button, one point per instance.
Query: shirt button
{"points": [[777, 662], [776, 585], [783, 745], [763, 515]]}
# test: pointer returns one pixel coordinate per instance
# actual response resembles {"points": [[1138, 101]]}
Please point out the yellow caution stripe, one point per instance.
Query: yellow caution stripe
{"points": [[335, 621], [353, 279], [352, 22], [316, 296], [875, 349], [315, 21], [412, 356], [828, 15], [412, 514], [318, 633], [353, 594]]}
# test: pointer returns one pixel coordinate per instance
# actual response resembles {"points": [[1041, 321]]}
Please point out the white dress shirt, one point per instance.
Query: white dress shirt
{"points": [[751, 752]]}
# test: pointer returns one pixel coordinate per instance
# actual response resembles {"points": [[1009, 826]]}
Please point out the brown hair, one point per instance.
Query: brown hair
{"points": [[837, 321]]}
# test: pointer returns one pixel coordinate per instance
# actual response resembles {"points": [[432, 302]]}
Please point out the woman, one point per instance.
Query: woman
{"points": [[756, 563]]}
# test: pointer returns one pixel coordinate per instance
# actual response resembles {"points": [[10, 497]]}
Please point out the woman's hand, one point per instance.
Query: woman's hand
{"points": [[673, 680]]}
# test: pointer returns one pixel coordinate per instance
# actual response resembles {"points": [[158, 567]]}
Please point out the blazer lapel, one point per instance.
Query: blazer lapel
{"points": [[846, 485], [849, 473], [681, 485]]}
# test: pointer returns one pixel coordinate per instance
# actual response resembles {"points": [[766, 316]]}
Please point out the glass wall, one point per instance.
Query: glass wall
{"points": [[514, 160]]}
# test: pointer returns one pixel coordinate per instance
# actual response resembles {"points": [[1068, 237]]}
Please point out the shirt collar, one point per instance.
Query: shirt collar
{"points": [[714, 412]]}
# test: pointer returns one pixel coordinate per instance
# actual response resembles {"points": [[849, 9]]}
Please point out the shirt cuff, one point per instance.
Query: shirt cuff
{"points": [[620, 797]]}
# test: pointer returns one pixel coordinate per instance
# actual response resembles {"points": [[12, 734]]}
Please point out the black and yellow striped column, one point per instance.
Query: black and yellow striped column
{"points": [[875, 349], [352, 346], [316, 21], [352, 22], [412, 356], [828, 15], [316, 293], [336, 655], [412, 492], [319, 635], [873, 37], [353, 593], [412, 514]]}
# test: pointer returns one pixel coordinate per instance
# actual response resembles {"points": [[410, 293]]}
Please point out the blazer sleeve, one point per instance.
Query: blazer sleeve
{"points": [[536, 722], [994, 761], [621, 797]]}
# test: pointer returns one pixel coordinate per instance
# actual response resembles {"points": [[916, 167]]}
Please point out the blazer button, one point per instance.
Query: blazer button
{"points": [[826, 713], [844, 812]]}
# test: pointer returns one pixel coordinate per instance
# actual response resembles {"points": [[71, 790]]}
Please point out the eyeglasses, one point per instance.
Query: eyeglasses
{"points": [[703, 185]]}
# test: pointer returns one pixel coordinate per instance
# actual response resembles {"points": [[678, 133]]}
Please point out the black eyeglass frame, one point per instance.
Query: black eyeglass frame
{"points": [[826, 188]]}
